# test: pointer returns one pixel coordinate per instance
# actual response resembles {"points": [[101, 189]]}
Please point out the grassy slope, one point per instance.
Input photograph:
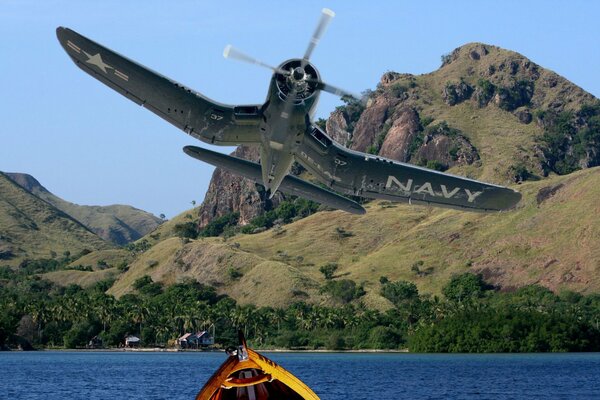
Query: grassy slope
{"points": [[501, 140], [82, 278], [553, 243], [34, 228], [118, 224], [533, 244]]}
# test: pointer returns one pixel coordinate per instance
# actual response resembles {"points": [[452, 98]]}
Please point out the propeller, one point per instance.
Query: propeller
{"points": [[326, 16], [232, 52], [298, 74]]}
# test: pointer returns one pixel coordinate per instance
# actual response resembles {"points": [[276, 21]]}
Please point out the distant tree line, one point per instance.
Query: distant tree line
{"points": [[470, 316]]}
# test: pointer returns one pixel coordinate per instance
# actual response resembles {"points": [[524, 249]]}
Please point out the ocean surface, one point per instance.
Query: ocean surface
{"points": [[134, 375]]}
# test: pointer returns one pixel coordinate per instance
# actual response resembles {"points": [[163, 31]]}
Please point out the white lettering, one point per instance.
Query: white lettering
{"points": [[449, 194], [404, 188], [472, 196], [426, 187]]}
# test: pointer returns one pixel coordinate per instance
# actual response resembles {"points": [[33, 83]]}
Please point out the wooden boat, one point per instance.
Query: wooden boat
{"points": [[248, 375]]}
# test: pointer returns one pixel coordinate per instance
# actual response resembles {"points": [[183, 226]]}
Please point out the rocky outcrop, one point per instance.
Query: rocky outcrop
{"points": [[371, 122], [229, 192], [524, 116], [446, 150], [500, 90], [398, 139], [456, 92], [337, 127]]}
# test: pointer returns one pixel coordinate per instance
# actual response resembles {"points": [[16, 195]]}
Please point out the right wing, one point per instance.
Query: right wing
{"points": [[188, 110], [290, 184], [351, 172]]}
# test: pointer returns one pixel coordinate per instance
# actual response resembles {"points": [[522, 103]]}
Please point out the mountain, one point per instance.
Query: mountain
{"points": [[118, 224], [549, 240], [33, 228], [487, 113]]}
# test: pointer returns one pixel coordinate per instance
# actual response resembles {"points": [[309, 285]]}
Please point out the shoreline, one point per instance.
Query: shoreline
{"points": [[170, 350]]}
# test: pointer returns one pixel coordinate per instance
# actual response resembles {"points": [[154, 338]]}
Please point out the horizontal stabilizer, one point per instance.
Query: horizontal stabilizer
{"points": [[290, 185]]}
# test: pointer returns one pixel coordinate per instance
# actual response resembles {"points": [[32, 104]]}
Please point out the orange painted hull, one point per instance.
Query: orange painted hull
{"points": [[254, 378]]}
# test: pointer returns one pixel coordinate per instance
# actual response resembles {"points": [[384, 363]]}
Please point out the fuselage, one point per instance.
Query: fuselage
{"points": [[289, 108]]}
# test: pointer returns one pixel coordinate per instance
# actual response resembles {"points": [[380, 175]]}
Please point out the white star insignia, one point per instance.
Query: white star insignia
{"points": [[97, 61]]}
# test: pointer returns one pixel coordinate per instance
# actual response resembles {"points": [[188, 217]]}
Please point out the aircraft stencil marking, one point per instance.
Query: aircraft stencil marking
{"points": [[73, 46], [121, 75], [427, 188], [97, 61]]}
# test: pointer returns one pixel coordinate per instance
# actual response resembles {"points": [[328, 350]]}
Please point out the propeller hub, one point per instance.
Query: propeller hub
{"points": [[298, 74]]}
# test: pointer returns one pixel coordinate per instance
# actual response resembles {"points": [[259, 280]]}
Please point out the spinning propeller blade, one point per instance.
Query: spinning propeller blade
{"points": [[232, 52], [326, 16]]}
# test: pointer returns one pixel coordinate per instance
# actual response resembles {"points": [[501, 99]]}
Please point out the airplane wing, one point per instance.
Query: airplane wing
{"points": [[290, 184], [188, 110], [351, 172]]}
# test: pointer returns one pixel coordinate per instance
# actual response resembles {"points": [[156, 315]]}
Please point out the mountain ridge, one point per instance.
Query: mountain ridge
{"points": [[30, 227], [479, 115], [118, 224], [488, 114]]}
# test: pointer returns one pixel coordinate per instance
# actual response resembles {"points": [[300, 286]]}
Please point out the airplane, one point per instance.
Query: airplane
{"points": [[284, 129]]}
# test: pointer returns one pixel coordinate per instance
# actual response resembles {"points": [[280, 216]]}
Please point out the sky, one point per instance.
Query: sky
{"points": [[89, 145]]}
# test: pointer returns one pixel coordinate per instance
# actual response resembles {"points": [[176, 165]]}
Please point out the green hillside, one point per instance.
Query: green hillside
{"points": [[537, 243], [32, 228], [487, 113], [119, 224], [399, 276]]}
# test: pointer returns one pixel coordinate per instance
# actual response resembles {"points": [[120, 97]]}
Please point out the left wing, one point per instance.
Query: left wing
{"points": [[289, 185], [366, 175], [188, 110]]}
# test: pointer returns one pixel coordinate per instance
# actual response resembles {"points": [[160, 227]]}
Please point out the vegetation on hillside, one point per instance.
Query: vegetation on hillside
{"points": [[571, 140], [472, 317], [228, 225], [32, 228], [118, 224]]}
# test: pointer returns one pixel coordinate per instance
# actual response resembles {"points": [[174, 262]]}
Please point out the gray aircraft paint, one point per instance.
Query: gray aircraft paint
{"points": [[284, 130]]}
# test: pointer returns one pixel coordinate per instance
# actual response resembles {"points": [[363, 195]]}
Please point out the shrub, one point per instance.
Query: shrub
{"points": [[464, 287], [436, 165], [218, 225], [344, 290], [400, 292], [328, 270], [234, 273]]}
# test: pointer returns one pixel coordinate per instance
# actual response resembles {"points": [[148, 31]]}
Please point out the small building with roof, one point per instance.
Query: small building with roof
{"points": [[132, 341], [196, 340]]}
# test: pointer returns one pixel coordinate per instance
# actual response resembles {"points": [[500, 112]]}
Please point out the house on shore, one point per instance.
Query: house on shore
{"points": [[196, 340], [132, 341]]}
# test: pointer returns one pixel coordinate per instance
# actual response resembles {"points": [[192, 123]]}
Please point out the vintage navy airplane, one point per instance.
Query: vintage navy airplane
{"points": [[285, 132]]}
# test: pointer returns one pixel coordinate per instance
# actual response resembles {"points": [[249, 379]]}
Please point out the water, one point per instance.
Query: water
{"points": [[333, 376]]}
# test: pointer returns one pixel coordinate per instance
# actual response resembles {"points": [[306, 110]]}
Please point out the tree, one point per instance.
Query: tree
{"points": [[465, 287], [344, 290], [400, 292], [328, 270]]}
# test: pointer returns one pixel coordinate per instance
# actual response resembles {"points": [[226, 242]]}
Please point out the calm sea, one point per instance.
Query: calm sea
{"points": [[334, 376]]}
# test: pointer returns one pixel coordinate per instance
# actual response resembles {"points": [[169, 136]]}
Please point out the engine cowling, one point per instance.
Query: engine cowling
{"points": [[301, 78]]}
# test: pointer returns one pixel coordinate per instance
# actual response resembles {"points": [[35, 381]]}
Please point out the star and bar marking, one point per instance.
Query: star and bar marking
{"points": [[97, 61]]}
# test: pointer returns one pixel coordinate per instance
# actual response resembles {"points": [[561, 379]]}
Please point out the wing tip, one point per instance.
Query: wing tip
{"points": [[360, 210], [60, 32]]}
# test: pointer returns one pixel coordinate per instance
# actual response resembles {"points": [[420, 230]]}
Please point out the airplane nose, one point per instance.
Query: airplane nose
{"points": [[298, 74]]}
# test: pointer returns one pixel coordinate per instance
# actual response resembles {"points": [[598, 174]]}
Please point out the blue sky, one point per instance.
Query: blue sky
{"points": [[89, 145]]}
